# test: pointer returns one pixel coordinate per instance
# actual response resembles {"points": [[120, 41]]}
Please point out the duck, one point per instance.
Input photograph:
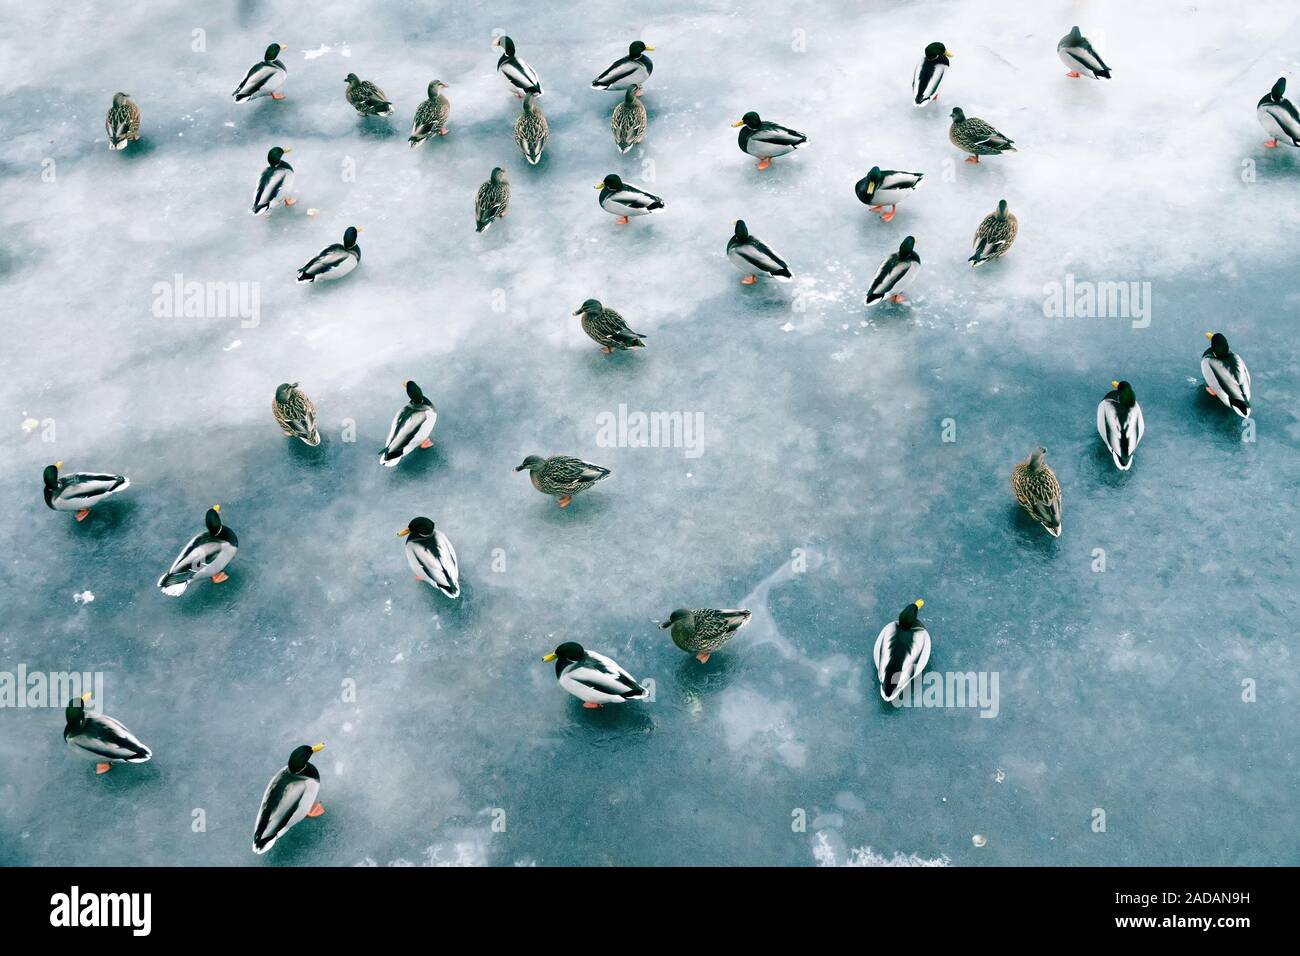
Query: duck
{"points": [[1120, 424], [929, 73], [411, 428], [902, 650], [1278, 116], [431, 556], [886, 187], [492, 200], [264, 78], [995, 235], [702, 630], [562, 476], [295, 414], [366, 98], [335, 260], [1226, 375], [289, 799], [122, 122], [751, 256], [593, 678], [430, 116], [531, 130], [1077, 53], [627, 72], [100, 738], [79, 491], [205, 555], [623, 199], [628, 122], [521, 77], [974, 136], [607, 328], [275, 182], [766, 140], [1038, 491], [897, 271]]}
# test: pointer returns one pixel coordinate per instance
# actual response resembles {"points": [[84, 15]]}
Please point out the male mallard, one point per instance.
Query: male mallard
{"points": [[263, 79], [431, 556], [295, 414], [929, 73], [623, 199], [100, 738], [562, 476], [430, 116], [1077, 53], [1226, 375], [902, 650], [1278, 116], [122, 122], [593, 678], [1038, 491], [628, 121], [627, 72], [366, 98], [79, 491], [289, 799], [977, 137], [531, 130], [607, 328], [996, 233], [204, 556], [897, 271], [886, 187], [275, 182], [334, 261], [702, 630], [521, 77], [1119, 422], [766, 140], [751, 256], [411, 428], [492, 200]]}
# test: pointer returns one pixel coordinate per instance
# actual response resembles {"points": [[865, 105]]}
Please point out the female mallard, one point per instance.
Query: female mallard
{"points": [[1077, 53], [977, 137], [431, 556], [886, 187], [1226, 375], [593, 678], [411, 428], [492, 200], [628, 121], [263, 79], [1119, 422], [607, 328], [100, 738], [623, 199], [295, 414], [751, 256], [1278, 116], [275, 182], [289, 799], [366, 98], [766, 140], [627, 72], [204, 556], [531, 130], [1038, 491], [521, 77], [122, 122], [897, 272], [430, 116], [561, 476], [902, 650], [335, 260], [996, 233], [929, 73], [79, 491], [702, 630]]}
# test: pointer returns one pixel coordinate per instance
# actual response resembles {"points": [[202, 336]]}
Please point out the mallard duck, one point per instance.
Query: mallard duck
{"points": [[122, 122], [977, 137], [902, 650], [1038, 491], [1226, 375], [295, 414], [275, 182], [929, 73], [751, 256], [895, 273], [430, 116], [79, 491], [366, 98], [1119, 423], [263, 79], [335, 260], [995, 235], [702, 630], [492, 200], [289, 799], [593, 678], [623, 199], [1077, 53], [561, 476], [204, 556], [886, 187], [100, 738], [1278, 116], [531, 130], [411, 428], [431, 556], [628, 121], [627, 71], [607, 328], [766, 140], [521, 77]]}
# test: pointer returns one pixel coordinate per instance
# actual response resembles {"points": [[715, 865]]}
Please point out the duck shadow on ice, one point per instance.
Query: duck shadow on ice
{"points": [[620, 720], [311, 456], [706, 679], [419, 463], [375, 127], [1030, 532], [589, 504], [1223, 425], [105, 518], [136, 149]]}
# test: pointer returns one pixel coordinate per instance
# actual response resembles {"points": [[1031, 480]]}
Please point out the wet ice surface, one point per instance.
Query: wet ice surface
{"points": [[824, 498]]}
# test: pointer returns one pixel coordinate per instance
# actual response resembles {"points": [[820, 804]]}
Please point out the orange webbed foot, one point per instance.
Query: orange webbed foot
{"points": [[898, 297], [887, 216], [763, 163], [621, 220], [1073, 75], [1271, 143], [702, 658], [83, 514], [219, 577], [103, 768], [590, 705], [277, 95], [749, 280], [427, 443], [564, 500], [972, 159], [606, 349], [1212, 391], [317, 809], [290, 201]]}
